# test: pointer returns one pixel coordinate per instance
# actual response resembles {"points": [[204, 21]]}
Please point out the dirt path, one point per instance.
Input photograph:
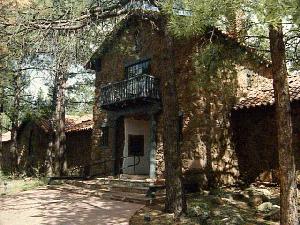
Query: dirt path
{"points": [[59, 206]]}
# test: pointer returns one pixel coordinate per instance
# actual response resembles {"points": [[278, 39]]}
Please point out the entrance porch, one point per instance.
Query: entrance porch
{"points": [[134, 142]]}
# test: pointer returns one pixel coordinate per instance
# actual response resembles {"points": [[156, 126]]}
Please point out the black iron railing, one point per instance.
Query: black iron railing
{"points": [[139, 87], [81, 172]]}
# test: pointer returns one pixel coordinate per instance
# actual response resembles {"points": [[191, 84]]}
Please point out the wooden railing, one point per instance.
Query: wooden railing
{"points": [[138, 87]]}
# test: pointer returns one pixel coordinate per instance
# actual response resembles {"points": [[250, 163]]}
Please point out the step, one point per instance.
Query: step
{"points": [[134, 177], [87, 184], [130, 183], [117, 189], [112, 195], [122, 188], [128, 197]]}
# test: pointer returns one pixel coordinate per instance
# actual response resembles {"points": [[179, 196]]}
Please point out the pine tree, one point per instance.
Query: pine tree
{"points": [[211, 13]]}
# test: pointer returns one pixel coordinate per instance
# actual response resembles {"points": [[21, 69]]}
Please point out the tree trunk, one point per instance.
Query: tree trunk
{"points": [[175, 198], [15, 122], [59, 124], [1, 116], [288, 187]]}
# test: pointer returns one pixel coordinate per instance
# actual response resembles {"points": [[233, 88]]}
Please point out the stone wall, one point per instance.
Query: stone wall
{"points": [[5, 157], [32, 146], [112, 69], [255, 134], [33, 149], [78, 148], [208, 151]]}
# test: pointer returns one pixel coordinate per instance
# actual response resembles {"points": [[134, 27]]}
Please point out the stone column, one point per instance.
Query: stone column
{"points": [[152, 146], [113, 124]]}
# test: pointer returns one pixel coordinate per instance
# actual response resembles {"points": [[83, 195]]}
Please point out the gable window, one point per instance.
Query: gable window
{"points": [[104, 136], [135, 145], [141, 67]]}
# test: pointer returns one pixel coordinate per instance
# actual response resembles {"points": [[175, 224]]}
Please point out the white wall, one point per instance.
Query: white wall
{"points": [[137, 127]]}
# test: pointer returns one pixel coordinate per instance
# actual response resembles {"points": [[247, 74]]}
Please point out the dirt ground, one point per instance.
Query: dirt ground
{"points": [[58, 205]]}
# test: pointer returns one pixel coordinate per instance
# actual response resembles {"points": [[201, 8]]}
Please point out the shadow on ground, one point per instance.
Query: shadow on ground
{"points": [[57, 205]]}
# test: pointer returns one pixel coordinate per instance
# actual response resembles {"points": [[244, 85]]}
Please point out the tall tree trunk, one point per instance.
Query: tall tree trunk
{"points": [[15, 121], [175, 198], [288, 187], [59, 124], [1, 115]]}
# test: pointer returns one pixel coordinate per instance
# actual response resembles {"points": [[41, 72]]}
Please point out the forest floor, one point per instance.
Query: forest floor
{"points": [[255, 205]]}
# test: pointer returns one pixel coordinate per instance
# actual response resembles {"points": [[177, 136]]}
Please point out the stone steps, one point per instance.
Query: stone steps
{"points": [[128, 197], [122, 188], [135, 191], [87, 184]]}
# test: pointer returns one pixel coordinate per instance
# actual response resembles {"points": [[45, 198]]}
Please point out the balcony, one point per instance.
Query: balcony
{"points": [[140, 89]]}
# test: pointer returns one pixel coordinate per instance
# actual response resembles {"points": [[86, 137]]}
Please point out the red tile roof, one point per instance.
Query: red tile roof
{"points": [[72, 124], [80, 124], [264, 95]]}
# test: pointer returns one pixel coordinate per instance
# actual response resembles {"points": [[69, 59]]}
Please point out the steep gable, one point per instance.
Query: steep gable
{"points": [[251, 59]]}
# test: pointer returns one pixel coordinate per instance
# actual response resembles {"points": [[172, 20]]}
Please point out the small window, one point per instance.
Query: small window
{"points": [[135, 145], [142, 67], [104, 136], [249, 80]]}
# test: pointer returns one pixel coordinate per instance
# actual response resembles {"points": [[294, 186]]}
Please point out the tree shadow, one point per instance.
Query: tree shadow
{"points": [[59, 206], [206, 101]]}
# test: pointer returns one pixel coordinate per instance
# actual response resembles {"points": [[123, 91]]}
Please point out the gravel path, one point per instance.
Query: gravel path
{"points": [[60, 206]]}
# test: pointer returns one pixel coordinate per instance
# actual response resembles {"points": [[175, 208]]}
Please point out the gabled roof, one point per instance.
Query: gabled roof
{"points": [[72, 123], [117, 32], [264, 95]]}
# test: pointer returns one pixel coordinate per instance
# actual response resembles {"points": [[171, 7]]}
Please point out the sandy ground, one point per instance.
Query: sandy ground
{"points": [[60, 206]]}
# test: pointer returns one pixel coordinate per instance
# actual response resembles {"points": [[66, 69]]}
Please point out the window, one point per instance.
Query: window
{"points": [[249, 81], [142, 67], [104, 136], [135, 145]]}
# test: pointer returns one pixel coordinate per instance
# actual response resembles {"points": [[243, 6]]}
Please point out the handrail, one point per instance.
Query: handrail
{"points": [[129, 79], [82, 176], [138, 87], [133, 165], [92, 164]]}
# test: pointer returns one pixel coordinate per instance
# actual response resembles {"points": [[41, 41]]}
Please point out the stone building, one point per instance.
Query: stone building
{"points": [[254, 131], [5, 144], [128, 126], [34, 143]]}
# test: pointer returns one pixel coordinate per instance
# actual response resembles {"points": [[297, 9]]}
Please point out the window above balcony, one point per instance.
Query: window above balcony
{"points": [[138, 68]]}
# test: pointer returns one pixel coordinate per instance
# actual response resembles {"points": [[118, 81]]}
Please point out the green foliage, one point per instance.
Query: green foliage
{"points": [[255, 16], [273, 11], [37, 108], [46, 50], [216, 67], [200, 15], [80, 94]]}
